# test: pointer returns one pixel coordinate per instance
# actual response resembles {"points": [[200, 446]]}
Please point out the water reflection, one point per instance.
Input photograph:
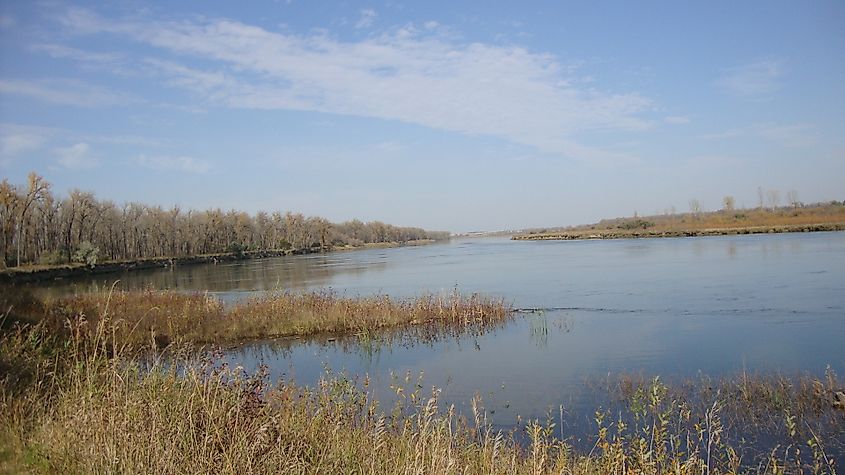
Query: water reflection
{"points": [[543, 360], [677, 274], [230, 279], [674, 307]]}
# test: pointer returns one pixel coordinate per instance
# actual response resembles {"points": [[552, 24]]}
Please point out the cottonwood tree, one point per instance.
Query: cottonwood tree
{"points": [[773, 197], [76, 210], [36, 190], [9, 202], [34, 223], [792, 198], [46, 229], [728, 203], [694, 207]]}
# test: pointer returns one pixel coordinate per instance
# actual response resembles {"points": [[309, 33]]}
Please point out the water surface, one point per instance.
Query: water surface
{"points": [[674, 307]]}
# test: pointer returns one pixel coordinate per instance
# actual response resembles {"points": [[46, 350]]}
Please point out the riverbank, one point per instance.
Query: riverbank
{"points": [[77, 401], [634, 234], [813, 218], [40, 273]]}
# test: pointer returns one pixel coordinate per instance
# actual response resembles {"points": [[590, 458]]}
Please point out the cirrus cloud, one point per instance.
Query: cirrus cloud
{"points": [[75, 157], [66, 92], [173, 163], [753, 80], [418, 76]]}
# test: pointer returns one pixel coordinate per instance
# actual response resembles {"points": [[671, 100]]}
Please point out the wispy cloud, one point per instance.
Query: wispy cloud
{"points": [[61, 51], [788, 135], [173, 163], [710, 161], [112, 62], [15, 140], [134, 140], [368, 16], [677, 119], [75, 157], [796, 135], [204, 83], [65, 92], [753, 80], [420, 76], [389, 146]]}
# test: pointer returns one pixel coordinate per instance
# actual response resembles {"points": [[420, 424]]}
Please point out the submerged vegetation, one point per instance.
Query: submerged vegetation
{"points": [[69, 406], [796, 218]]}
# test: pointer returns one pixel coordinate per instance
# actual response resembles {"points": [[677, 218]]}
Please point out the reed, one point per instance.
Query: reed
{"points": [[82, 400], [81, 410], [159, 318]]}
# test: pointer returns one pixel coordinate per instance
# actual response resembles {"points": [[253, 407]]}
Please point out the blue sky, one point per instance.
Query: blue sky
{"points": [[447, 115]]}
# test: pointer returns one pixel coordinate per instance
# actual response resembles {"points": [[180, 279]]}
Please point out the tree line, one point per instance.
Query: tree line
{"points": [[39, 227]]}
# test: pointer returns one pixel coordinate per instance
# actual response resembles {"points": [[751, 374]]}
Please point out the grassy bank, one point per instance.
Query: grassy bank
{"points": [[828, 217], [68, 406]]}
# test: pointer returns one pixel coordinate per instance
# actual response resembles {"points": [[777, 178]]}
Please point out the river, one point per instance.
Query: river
{"points": [[677, 307]]}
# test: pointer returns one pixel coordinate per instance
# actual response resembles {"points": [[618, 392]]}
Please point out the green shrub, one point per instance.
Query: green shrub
{"points": [[86, 253], [236, 248]]}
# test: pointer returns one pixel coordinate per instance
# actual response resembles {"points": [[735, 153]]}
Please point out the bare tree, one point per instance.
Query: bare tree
{"points": [[728, 203], [792, 198], [694, 207], [773, 197], [9, 202], [36, 190], [35, 223]]}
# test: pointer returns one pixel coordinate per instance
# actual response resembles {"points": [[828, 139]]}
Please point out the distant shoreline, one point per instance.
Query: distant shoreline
{"points": [[41, 273], [635, 234], [799, 218]]}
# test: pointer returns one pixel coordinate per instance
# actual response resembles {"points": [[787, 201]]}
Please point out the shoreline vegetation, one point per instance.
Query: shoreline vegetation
{"points": [[798, 218], [39, 230], [44, 272], [80, 394], [156, 320]]}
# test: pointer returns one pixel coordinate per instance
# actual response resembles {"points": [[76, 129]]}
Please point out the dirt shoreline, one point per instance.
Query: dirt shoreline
{"points": [[635, 234]]}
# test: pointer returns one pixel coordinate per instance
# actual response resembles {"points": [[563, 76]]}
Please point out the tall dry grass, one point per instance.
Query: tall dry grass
{"points": [[161, 318], [826, 217], [79, 402], [75, 399], [83, 411]]}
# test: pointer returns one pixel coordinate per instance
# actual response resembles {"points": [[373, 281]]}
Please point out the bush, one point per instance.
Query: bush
{"points": [[86, 253], [636, 224], [236, 248]]}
